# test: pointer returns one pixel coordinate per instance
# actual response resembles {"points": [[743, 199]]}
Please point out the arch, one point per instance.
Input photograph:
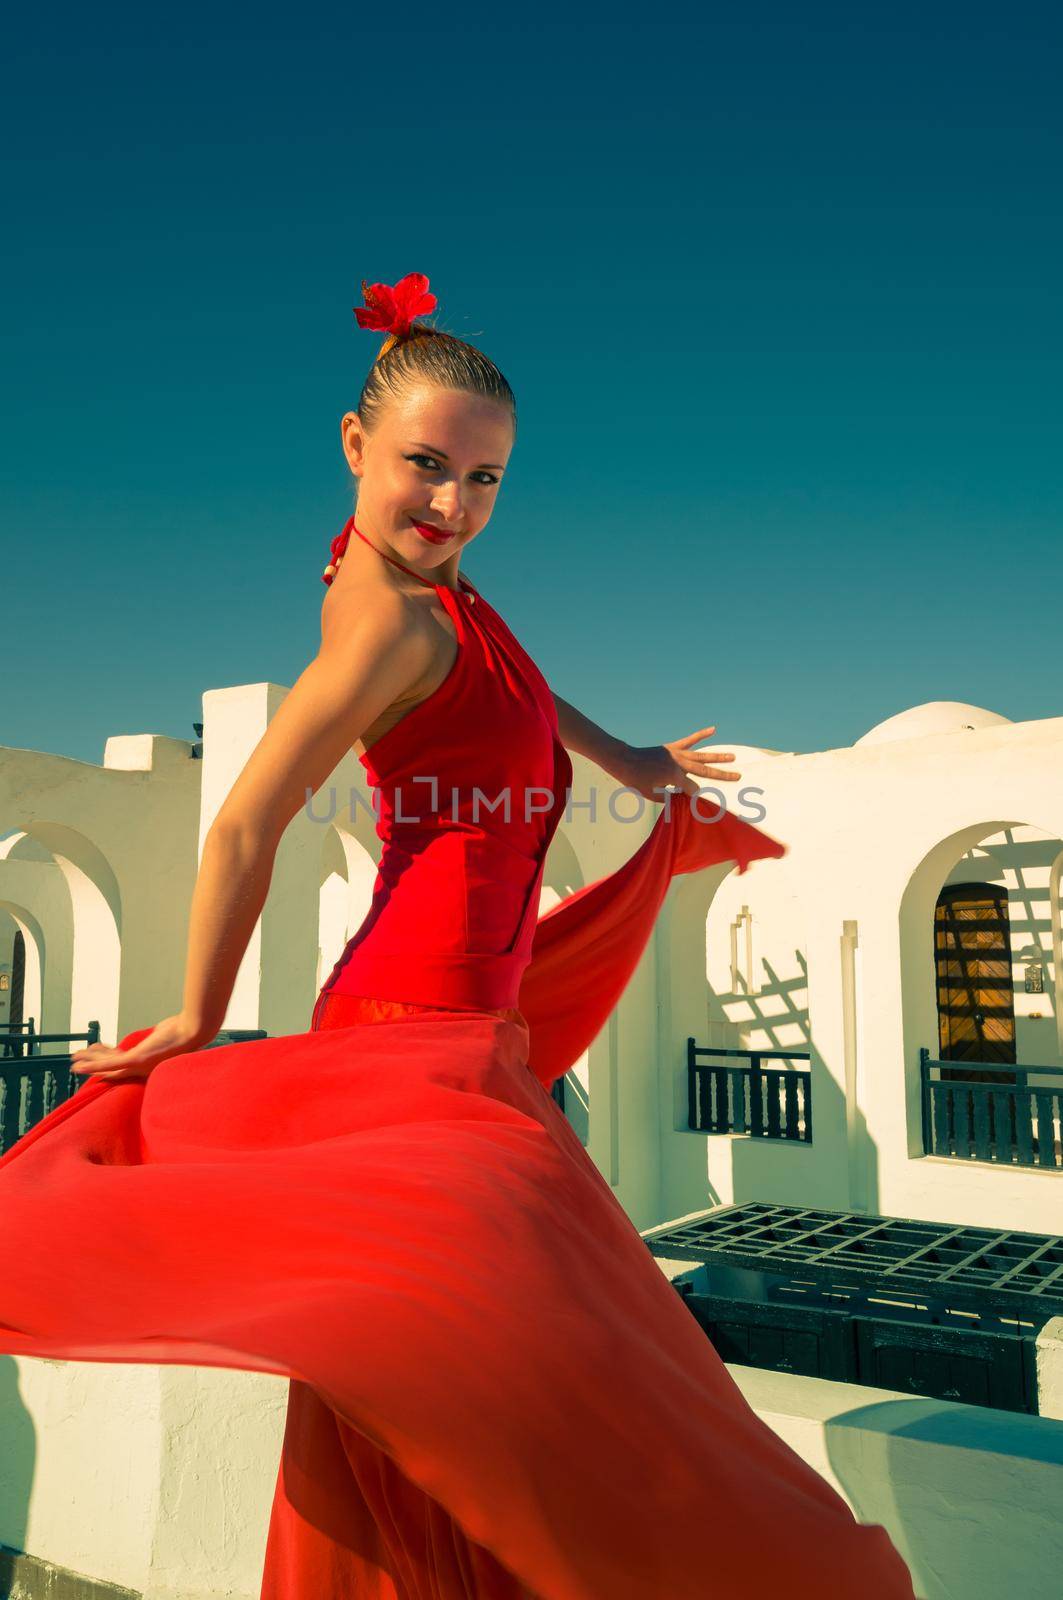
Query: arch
{"points": [[96, 912], [33, 960], [85, 867], [1021, 856]]}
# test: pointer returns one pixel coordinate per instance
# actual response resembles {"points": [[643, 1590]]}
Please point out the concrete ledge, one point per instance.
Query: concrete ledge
{"points": [[128, 1479], [1050, 1368], [163, 1477], [145, 752], [969, 1495], [25, 1577]]}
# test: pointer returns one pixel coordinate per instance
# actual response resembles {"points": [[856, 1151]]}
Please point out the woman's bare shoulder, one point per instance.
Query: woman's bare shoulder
{"points": [[372, 615], [363, 606]]}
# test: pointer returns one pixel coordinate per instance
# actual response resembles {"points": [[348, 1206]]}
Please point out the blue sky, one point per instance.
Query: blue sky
{"points": [[777, 288]]}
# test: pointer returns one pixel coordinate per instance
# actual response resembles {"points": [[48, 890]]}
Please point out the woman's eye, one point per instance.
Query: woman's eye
{"points": [[484, 478]]}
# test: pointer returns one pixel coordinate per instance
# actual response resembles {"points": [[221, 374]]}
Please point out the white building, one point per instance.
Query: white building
{"points": [[917, 909]]}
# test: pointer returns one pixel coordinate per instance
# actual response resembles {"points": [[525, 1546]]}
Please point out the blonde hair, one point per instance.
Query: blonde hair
{"points": [[429, 355]]}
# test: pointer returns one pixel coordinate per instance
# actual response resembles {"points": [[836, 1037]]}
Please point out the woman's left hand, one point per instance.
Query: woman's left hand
{"points": [[171, 1037], [649, 768]]}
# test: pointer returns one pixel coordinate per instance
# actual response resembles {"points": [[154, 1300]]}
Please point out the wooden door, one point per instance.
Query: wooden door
{"points": [[975, 997], [13, 1047], [18, 980]]}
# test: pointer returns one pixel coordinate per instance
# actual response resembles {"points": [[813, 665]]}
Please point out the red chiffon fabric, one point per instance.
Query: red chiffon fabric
{"points": [[345, 1518], [495, 1394]]}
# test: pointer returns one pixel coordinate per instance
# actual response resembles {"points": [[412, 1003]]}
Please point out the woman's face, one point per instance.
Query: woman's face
{"points": [[436, 457]]}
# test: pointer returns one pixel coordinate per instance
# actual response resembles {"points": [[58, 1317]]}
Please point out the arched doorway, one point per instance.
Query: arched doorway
{"points": [[978, 951]]}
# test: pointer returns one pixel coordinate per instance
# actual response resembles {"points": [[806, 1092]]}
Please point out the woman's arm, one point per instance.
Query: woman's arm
{"points": [[369, 657], [648, 769], [579, 733]]}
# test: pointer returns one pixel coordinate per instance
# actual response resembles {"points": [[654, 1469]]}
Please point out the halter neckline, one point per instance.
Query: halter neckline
{"points": [[445, 586]]}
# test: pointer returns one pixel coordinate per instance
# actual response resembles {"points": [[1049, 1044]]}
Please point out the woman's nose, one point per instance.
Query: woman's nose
{"points": [[447, 501]]}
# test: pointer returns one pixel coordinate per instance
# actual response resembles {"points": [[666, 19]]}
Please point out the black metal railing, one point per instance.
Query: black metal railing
{"points": [[973, 1111], [765, 1102], [34, 1083], [15, 1037]]}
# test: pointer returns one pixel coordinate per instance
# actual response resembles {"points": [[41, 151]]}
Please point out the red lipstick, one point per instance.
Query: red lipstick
{"points": [[433, 535]]}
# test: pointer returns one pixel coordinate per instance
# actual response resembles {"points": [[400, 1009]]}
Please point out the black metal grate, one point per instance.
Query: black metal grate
{"points": [[980, 1268]]}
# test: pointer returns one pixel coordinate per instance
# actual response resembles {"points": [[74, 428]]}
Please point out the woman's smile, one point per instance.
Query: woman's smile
{"points": [[432, 534]]}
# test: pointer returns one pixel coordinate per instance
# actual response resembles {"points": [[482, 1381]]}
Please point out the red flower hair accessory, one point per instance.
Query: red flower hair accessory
{"points": [[391, 308]]}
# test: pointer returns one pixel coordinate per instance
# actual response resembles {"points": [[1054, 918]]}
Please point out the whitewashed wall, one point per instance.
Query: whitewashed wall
{"points": [[874, 832], [161, 1478]]}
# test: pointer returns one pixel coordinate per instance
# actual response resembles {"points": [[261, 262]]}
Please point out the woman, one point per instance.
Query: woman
{"points": [[493, 1390]]}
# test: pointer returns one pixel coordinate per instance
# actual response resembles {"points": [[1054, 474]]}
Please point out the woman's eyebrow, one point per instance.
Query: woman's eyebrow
{"points": [[496, 466]]}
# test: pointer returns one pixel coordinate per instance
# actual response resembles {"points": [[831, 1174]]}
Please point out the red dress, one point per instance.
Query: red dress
{"points": [[494, 1391]]}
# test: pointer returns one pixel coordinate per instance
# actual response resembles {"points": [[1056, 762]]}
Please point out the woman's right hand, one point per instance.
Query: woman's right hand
{"points": [[173, 1036]]}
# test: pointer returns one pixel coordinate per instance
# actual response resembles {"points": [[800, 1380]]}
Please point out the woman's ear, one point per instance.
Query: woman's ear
{"points": [[353, 441]]}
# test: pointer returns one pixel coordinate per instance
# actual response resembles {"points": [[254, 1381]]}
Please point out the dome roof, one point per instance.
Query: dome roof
{"points": [[936, 716]]}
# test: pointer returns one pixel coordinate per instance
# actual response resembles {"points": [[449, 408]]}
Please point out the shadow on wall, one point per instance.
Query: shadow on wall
{"points": [[919, 1466], [747, 936], [18, 1457], [775, 1015]]}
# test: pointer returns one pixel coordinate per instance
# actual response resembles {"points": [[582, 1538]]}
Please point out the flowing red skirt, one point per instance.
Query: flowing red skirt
{"points": [[345, 1519], [494, 1392]]}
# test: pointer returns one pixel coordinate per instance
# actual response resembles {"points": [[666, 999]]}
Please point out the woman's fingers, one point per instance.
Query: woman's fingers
{"points": [[706, 764], [111, 1074], [173, 1036], [101, 1057], [692, 738]]}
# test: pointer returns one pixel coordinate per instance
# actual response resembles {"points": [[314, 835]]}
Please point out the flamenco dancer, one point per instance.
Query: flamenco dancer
{"points": [[493, 1390]]}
